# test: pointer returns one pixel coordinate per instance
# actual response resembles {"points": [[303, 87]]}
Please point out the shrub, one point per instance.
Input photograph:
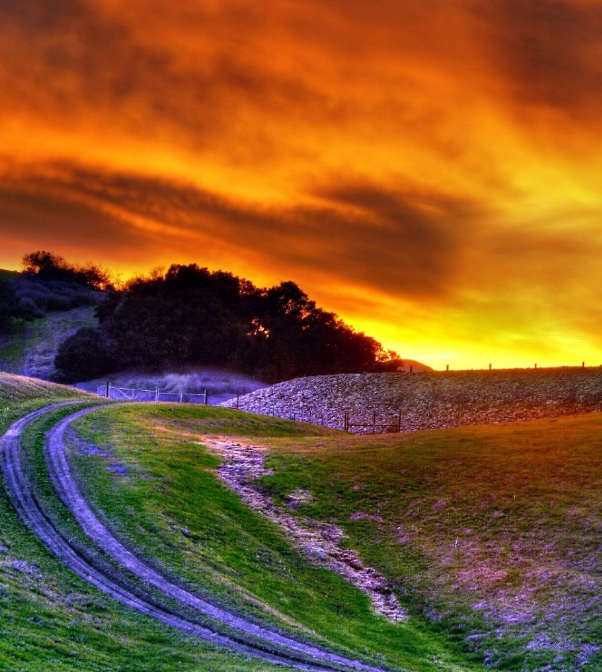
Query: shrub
{"points": [[87, 354]]}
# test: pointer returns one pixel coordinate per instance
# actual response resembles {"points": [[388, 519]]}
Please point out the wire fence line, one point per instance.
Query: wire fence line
{"points": [[135, 394]]}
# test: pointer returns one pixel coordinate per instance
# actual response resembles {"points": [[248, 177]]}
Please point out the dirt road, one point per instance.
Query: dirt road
{"points": [[109, 565]]}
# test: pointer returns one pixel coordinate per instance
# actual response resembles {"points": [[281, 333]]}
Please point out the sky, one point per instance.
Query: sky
{"points": [[429, 170]]}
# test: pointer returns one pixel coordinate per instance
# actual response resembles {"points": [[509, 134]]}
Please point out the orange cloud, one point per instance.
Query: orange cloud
{"points": [[428, 170]]}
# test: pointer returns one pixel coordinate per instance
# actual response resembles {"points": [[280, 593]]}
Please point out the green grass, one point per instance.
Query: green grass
{"points": [[489, 535], [493, 533], [31, 346], [12, 348], [156, 484], [51, 620]]}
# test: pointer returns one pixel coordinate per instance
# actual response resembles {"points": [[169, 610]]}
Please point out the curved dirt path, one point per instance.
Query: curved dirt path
{"points": [[227, 629]]}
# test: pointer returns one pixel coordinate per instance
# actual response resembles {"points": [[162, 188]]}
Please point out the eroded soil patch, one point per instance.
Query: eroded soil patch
{"points": [[241, 470]]}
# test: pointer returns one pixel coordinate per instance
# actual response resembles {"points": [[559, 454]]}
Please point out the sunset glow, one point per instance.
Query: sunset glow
{"points": [[430, 171]]}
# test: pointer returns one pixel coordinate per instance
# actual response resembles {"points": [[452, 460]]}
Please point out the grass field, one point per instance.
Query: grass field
{"points": [[492, 533], [51, 620], [145, 469], [490, 537]]}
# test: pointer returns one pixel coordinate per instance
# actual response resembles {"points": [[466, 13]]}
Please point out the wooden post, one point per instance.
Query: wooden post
{"points": [[181, 397], [156, 394], [206, 397], [582, 365], [411, 369], [346, 421], [374, 417], [108, 389], [399, 421], [490, 367], [237, 399], [447, 367]]}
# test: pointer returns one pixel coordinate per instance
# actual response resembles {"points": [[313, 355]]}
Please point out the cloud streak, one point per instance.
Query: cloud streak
{"points": [[429, 169]]}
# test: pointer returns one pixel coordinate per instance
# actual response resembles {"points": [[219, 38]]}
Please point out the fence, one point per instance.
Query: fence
{"points": [[383, 424], [132, 394]]}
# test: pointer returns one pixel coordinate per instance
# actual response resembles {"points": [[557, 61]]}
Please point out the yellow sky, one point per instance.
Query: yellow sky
{"points": [[428, 170]]}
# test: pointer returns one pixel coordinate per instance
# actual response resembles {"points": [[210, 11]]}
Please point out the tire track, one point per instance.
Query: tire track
{"points": [[228, 629]]}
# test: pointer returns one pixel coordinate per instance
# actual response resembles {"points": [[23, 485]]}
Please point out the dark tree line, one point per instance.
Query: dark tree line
{"points": [[49, 283], [191, 315]]}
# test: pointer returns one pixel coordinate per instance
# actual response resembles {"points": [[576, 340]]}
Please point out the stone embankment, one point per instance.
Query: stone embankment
{"points": [[386, 402]]}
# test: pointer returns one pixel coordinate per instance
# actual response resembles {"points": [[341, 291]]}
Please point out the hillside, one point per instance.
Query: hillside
{"points": [[492, 533], [430, 400], [144, 467], [423, 552], [30, 348], [18, 389]]}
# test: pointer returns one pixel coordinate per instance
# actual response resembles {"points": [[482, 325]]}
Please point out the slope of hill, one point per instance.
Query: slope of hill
{"points": [[492, 533], [15, 389], [6, 275], [488, 537], [429, 400], [147, 458], [32, 346]]}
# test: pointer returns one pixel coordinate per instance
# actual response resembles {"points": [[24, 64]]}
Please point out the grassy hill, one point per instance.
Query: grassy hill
{"points": [[32, 346], [489, 537], [488, 534], [6, 275], [50, 619]]}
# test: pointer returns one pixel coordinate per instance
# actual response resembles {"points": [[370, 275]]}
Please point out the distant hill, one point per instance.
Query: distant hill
{"points": [[413, 366], [30, 347]]}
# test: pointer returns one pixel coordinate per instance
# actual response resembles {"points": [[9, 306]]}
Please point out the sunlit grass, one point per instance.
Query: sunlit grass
{"points": [[51, 620], [491, 532], [155, 483]]}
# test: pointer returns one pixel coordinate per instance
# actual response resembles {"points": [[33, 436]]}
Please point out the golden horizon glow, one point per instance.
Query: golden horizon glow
{"points": [[429, 172]]}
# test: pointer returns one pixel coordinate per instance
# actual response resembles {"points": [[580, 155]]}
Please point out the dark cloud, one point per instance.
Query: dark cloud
{"points": [[548, 51], [404, 242], [43, 217], [394, 243]]}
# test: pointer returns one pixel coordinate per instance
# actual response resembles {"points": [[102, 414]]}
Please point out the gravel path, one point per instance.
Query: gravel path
{"points": [[227, 629]]}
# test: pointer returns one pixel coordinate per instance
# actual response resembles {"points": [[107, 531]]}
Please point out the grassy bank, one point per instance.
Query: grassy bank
{"points": [[50, 619], [492, 533], [147, 470]]}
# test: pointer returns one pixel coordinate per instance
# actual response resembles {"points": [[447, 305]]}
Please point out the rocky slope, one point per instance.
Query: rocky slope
{"points": [[384, 402]]}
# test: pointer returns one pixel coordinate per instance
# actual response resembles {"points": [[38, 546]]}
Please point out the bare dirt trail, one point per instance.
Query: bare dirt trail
{"points": [[226, 629]]}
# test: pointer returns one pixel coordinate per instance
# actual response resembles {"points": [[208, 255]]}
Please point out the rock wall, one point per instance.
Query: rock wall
{"points": [[385, 402]]}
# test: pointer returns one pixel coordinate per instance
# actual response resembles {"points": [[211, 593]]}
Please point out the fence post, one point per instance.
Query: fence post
{"points": [[108, 389], [206, 397], [156, 394], [346, 421], [399, 421], [181, 397], [374, 422], [237, 399]]}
